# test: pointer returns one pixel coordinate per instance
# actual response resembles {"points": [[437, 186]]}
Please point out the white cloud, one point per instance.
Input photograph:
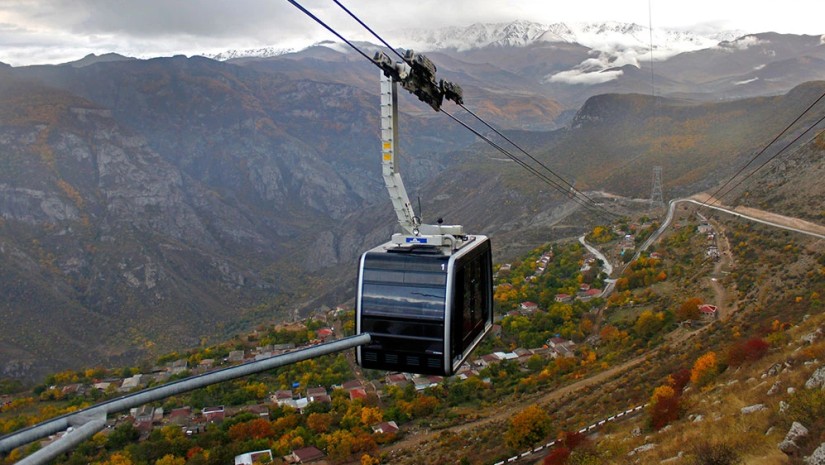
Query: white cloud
{"points": [[34, 31], [578, 76], [746, 81], [742, 43]]}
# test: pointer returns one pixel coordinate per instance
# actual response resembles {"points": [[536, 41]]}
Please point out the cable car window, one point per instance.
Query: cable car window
{"points": [[381, 299], [399, 262], [403, 277]]}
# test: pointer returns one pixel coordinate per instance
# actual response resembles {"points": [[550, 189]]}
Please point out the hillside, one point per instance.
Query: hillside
{"points": [[751, 367]]}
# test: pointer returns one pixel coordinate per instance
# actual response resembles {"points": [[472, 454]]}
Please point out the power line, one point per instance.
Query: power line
{"points": [[328, 28], [368, 28], [523, 164], [573, 188], [777, 154], [787, 128]]}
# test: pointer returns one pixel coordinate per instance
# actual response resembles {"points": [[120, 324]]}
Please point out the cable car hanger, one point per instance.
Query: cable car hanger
{"points": [[417, 75]]}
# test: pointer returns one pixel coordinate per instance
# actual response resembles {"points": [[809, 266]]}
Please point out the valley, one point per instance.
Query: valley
{"points": [[168, 217]]}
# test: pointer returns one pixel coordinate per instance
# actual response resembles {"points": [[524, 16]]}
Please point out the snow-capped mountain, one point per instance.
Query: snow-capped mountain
{"points": [[263, 52], [608, 37]]}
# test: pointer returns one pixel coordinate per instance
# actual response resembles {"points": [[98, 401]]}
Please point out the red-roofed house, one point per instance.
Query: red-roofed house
{"points": [[304, 455], [385, 427], [563, 298], [357, 393], [529, 306], [312, 393], [180, 416], [708, 311], [324, 333], [397, 379], [352, 384]]}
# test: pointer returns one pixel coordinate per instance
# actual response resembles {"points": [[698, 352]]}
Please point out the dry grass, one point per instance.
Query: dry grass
{"points": [[753, 437]]}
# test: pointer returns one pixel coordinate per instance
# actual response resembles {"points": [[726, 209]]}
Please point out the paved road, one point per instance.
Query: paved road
{"points": [[752, 214], [606, 267]]}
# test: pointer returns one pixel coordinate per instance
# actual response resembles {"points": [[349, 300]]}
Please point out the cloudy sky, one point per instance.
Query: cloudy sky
{"points": [[55, 31]]}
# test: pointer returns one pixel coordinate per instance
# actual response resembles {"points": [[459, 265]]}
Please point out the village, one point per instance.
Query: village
{"points": [[583, 289]]}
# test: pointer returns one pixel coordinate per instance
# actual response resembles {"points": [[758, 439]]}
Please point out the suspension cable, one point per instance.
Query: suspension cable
{"points": [[509, 155]]}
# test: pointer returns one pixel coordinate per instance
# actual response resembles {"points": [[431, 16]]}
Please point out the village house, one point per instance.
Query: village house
{"points": [[351, 384], [178, 366], [132, 383], [424, 382], [589, 294], [397, 379], [385, 427], [316, 392], [529, 307], [358, 393], [281, 348], [709, 312], [563, 298], [258, 409], [704, 228], [102, 386], [325, 333], [487, 360], [74, 389], [260, 456], [282, 398], [181, 416], [304, 455], [235, 356], [561, 347], [214, 414]]}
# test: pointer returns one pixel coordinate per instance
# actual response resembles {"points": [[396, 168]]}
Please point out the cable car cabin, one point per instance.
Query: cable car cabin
{"points": [[425, 310]]}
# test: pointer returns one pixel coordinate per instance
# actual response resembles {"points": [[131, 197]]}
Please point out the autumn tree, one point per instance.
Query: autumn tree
{"points": [[747, 351], [704, 369], [371, 416], [170, 459], [664, 406], [528, 427], [649, 323], [689, 310], [258, 428], [319, 422]]}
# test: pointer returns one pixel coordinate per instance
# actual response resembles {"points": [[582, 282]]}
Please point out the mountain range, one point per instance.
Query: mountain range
{"points": [[148, 205]]}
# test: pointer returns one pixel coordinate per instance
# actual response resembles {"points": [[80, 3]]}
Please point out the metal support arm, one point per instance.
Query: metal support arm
{"points": [[88, 420], [389, 137]]}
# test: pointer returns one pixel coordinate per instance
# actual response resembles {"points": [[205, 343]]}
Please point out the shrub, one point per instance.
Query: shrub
{"points": [[748, 351], [707, 453]]}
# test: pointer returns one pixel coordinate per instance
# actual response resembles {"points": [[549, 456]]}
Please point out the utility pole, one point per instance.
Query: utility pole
{"points": [[656, 196]]}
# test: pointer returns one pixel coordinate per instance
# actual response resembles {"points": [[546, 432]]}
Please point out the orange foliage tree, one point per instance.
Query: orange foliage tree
{"points": [[704, 369], [528, 427], [258, 428]]}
